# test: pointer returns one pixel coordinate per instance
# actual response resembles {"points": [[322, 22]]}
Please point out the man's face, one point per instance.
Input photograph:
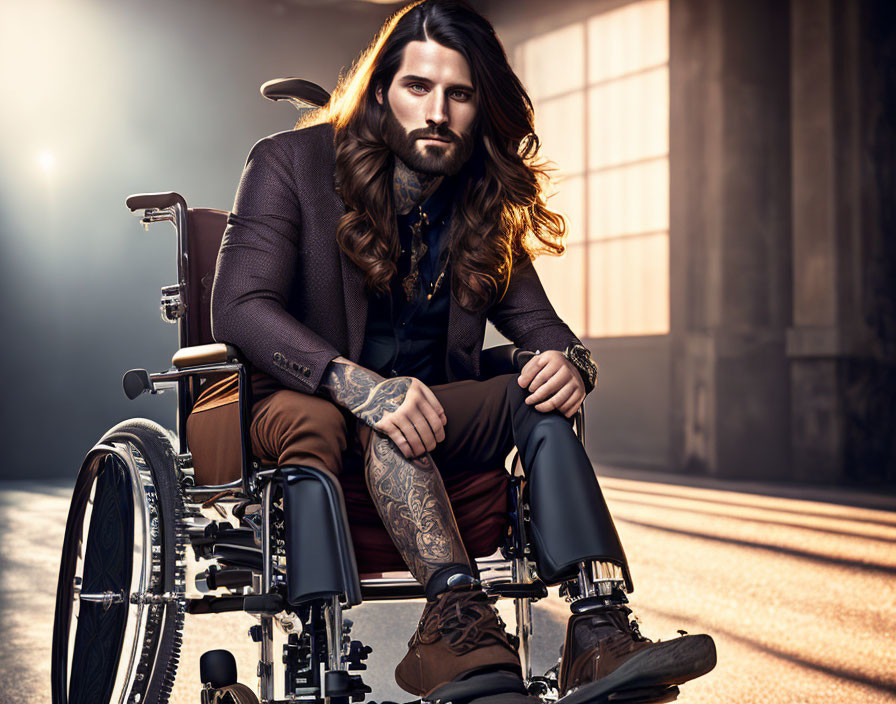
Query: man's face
{"points": [[430, 109]]}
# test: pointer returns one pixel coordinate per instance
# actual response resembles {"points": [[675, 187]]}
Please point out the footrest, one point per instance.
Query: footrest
{"points": [[477, 686], [268, 604], [648, 695], [641, 695], [534, 590]]}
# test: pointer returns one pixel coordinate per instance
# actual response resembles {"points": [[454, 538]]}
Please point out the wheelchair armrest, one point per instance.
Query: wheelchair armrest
{"points": [[160, 201], [199, 355], [503, 359]]}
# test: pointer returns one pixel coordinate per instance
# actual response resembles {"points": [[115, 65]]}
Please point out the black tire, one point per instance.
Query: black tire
{"points": [[125, 644]]}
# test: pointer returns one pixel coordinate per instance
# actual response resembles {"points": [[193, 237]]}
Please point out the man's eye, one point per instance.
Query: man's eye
{"points": [[417, 87], [460, 95]]}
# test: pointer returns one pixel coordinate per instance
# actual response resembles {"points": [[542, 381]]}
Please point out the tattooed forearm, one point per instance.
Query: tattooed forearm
{"points": [[413, 504], [366, 394]]}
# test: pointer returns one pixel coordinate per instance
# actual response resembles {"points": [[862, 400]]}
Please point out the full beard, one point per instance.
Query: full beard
{"points": [[431, 160]]}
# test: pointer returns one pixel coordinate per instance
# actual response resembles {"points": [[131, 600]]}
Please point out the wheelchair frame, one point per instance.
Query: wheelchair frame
{"points": [[258, 484], [252, 548]]}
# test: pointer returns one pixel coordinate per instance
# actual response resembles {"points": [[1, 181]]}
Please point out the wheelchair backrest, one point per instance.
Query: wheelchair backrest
{"points": [[205, 228]]}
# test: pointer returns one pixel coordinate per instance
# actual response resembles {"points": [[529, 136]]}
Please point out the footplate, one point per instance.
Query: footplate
{"points": [[479, 687], [642, 695], [647, 695]]}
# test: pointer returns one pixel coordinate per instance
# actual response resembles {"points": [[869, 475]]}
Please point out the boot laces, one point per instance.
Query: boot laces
{"points": [[633, 626], [465, 621]]}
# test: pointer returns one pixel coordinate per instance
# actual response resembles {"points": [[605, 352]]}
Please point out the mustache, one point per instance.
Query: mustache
{"points": [[441, 132]]}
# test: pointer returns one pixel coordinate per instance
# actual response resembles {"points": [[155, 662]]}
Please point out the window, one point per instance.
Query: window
{"points": [[601, 93]]}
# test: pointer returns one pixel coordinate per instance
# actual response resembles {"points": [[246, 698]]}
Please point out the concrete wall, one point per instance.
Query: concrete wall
{"points": [[782, 238]]}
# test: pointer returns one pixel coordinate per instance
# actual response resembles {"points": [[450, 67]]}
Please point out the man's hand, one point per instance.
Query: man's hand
{"points": [[556, 384], [405, 409], [402, 408]]}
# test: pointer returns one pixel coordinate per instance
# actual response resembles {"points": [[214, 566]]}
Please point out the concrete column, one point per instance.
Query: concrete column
{"points": [[842, 343], [730, 236]]}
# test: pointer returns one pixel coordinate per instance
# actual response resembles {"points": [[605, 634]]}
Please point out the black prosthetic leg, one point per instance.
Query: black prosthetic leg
{"points": [[570, 520]]}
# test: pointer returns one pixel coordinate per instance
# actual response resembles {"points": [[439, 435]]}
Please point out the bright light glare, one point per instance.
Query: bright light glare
{"points": [[47, 161]]}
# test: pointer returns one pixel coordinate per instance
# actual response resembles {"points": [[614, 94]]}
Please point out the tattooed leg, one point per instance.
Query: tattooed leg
{"points": [[411, 499]]}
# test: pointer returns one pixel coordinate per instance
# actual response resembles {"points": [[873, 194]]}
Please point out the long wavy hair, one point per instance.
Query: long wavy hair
{"points": [[501, 214]]}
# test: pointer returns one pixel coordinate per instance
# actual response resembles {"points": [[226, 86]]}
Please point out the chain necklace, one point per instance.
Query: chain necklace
{"points": [[419, 248]]}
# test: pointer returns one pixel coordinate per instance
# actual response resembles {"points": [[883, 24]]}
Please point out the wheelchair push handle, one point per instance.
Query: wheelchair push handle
{"points": [[301, 93]]}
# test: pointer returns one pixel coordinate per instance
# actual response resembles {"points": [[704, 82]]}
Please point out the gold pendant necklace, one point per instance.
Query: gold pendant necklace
{"points": [[418, 249]]}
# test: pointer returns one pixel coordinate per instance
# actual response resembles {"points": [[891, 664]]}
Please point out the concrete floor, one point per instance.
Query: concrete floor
{"points": [[798, 589]]}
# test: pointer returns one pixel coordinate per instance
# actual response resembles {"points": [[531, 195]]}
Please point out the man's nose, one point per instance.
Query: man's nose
{"points": [[436, 108]]}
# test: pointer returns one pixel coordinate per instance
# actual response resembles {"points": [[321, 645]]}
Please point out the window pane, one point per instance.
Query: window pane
{"points": [[564, 282], [601, 94], [629, 284], [628, 39], [629, 119], [560, 125], [629, 200], [569, 201], [553, 63]]}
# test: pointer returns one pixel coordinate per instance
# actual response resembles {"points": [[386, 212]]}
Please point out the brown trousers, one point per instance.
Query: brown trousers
{"points": [[293, 428]]}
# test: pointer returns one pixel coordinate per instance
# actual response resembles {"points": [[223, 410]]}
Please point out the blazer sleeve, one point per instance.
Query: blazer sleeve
{"points": [[525, 316], [254, 275]]}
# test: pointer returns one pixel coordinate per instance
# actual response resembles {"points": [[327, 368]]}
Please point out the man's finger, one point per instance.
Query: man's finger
{"points": [[435, 422], [548, 388], [424, 430], [434, 402], [388, 428], [572, 405], [557, 400], [414, 441], [547, 372], [531, 368]]}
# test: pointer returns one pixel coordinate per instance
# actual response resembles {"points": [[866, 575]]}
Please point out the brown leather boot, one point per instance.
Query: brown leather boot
{"points": [[459, 633], [605, 654]]}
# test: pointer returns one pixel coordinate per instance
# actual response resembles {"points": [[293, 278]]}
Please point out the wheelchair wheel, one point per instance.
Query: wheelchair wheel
{"points": [[120, 597]]}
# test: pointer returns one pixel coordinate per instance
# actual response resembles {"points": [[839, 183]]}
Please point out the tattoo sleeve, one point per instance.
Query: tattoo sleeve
{"points": [[411, 499], [367, 395]]}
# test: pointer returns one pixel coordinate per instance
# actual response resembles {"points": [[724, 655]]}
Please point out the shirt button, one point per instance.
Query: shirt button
{"points": [[306, 371], [403, 324]]}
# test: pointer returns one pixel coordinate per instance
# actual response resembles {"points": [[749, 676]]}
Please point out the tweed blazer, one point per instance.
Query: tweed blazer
{"points": [[291, 300]]}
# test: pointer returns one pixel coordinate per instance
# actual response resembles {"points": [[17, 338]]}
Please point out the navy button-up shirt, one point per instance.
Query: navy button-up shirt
{"points": [[409, 338]]}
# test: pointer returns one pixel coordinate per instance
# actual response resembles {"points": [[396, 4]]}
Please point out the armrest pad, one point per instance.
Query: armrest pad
{"points": [[503, 359], [199, 355]]}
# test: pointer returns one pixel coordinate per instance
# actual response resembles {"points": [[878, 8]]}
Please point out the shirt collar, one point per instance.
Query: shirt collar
{"points": [[436, 205]]}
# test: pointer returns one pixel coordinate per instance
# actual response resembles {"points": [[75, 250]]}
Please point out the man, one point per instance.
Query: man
{"points": [[363, 255]]}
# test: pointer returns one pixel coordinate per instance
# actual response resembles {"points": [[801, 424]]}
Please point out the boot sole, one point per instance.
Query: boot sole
{"points": [[668, 663]]}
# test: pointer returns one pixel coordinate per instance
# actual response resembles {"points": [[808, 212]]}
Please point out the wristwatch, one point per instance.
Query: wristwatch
{"points": [[580, 357]]}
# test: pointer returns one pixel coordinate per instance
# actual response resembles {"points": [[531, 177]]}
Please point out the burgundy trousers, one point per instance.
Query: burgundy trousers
{"points": [[293, 428]]}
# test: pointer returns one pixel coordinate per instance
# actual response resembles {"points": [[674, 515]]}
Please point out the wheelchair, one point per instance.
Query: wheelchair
{"points": [[138, 517]]}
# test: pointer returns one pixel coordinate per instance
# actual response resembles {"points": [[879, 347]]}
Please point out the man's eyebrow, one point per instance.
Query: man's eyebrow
{"points": [[409, 78]]}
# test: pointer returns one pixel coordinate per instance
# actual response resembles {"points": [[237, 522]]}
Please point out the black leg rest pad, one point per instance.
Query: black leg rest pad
{"points": [[320, 558]]}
